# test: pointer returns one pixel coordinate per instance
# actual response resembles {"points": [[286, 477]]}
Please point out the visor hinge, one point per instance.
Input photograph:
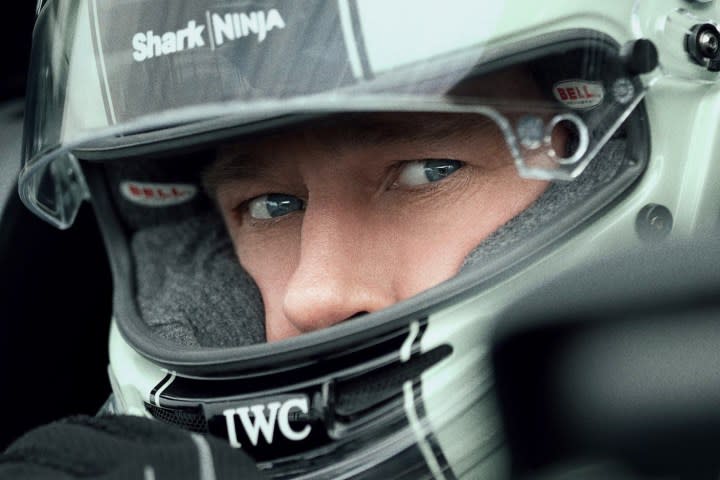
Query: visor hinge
{"points": [[703, 46]]}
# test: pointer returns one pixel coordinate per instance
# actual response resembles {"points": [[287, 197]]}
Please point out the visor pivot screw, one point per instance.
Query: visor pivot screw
{"points": [[653, 223], [708, 44], [531, 131], [639, 56], [703, 46], [623, 90]]}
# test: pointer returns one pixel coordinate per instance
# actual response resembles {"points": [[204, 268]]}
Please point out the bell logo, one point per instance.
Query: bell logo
{"points": [[579, 94], [157, 194], [263, 418]]}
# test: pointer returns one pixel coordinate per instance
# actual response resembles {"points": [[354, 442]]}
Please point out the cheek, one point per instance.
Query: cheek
{"points": [[434, 249], [503, 195], [270, 260], [495, 199]]}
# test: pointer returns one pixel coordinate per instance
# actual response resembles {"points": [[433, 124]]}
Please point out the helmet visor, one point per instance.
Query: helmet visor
{"points": [[172, 74]]}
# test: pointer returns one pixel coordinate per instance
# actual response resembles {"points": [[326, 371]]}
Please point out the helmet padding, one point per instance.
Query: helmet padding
{"points": [[190, 287]]}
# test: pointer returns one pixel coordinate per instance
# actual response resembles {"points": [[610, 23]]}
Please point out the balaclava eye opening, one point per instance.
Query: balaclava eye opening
{"points": [[190, 287]]}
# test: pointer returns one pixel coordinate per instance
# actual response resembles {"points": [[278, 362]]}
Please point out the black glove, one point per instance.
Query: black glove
{"points": [[122, 447]]}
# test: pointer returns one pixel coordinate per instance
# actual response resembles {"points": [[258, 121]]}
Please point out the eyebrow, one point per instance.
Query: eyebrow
{"points": [[349, 131], [229, 169], [423, 128]]}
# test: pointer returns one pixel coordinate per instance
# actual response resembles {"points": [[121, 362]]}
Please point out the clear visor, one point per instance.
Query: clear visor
{"points": [[171, 75]]}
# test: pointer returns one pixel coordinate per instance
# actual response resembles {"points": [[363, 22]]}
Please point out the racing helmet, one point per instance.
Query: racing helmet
{"points": [[612, 106]]}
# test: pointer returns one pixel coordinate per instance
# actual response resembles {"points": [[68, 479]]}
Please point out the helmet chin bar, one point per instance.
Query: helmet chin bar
{"points": [[318, 418]]}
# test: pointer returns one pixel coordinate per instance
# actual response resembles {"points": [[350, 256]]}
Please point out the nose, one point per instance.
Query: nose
{"points": [[343, 270]]}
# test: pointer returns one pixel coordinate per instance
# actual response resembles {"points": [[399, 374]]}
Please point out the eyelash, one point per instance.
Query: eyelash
{"points": [[404, 170], [241, 213]]}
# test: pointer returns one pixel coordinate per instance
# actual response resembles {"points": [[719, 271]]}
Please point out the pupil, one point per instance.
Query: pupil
{"points": [[279, 205], [438, 169]]}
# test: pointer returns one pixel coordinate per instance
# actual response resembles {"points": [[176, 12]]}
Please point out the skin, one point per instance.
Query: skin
{"points": [[367, 237]]}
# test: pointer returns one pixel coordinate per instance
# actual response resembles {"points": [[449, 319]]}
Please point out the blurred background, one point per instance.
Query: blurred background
{"points": [[54, 286]]}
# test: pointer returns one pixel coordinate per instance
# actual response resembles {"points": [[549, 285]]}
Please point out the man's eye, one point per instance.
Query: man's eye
{"points": [[421, 172], [274, 205]]}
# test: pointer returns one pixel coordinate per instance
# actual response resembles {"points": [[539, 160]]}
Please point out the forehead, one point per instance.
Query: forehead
{"points": [[371, 136], [336, 134], [363, 129], [357, 131], [339, 134]]}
